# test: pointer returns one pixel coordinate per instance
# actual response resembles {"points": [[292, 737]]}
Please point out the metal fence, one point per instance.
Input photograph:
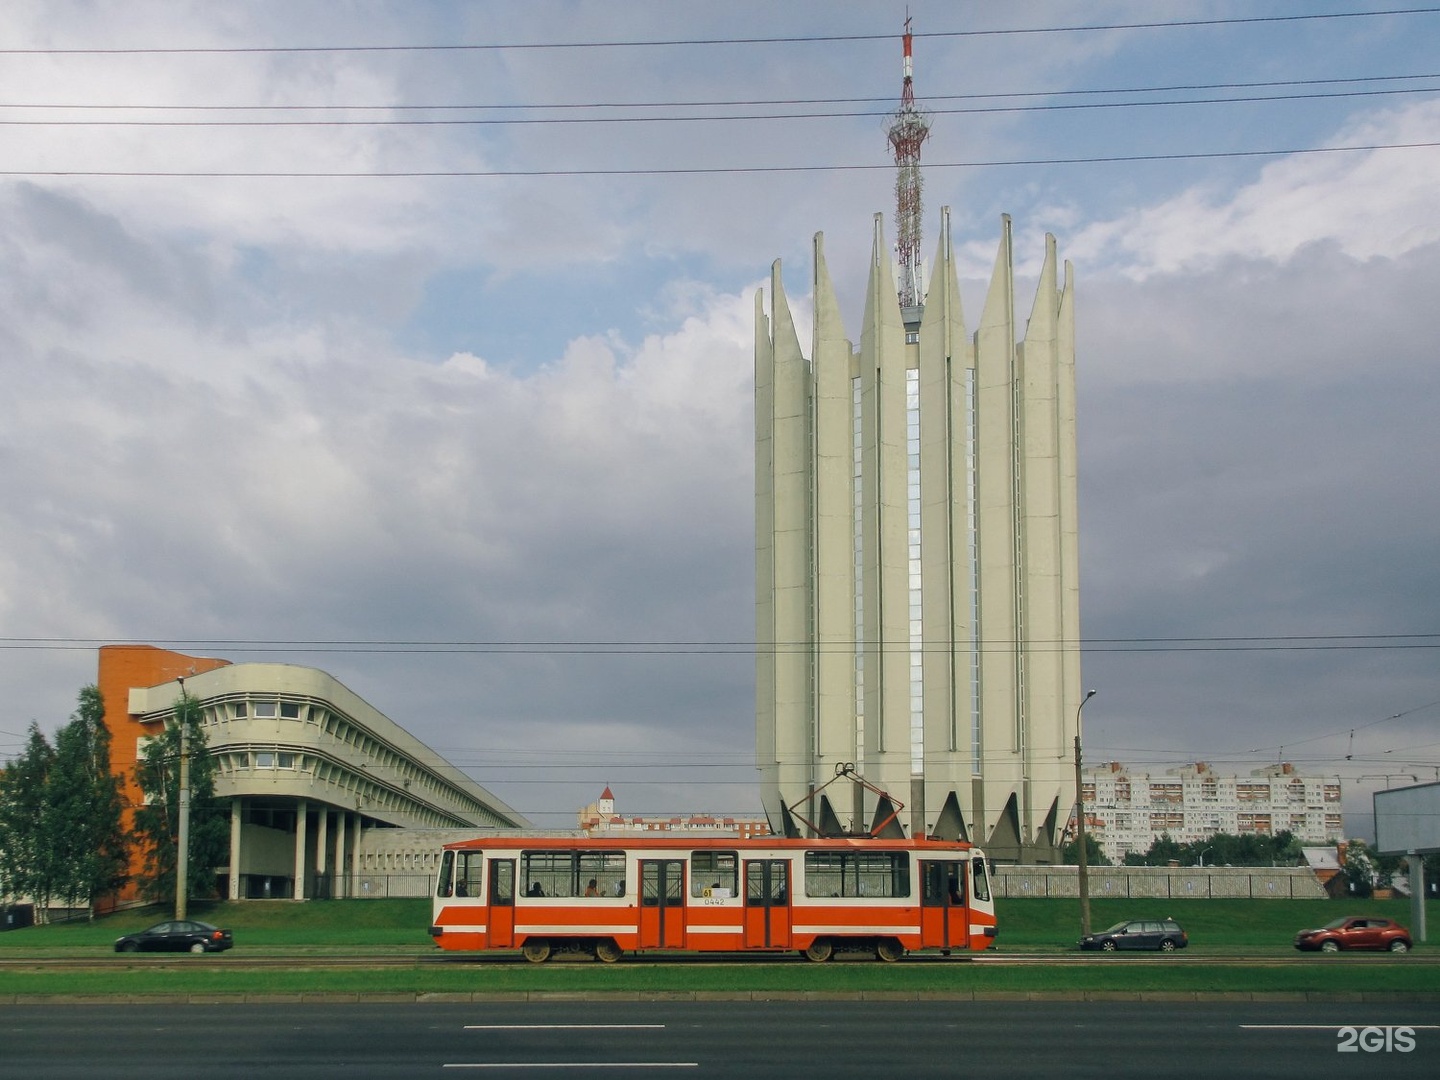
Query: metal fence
{"points": [[1161, 882], [386, 886]]}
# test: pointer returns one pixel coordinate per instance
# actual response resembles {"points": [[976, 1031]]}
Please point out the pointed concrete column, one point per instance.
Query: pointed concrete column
{"points": [[833, 655], [791, 588], [995, 469], [765, 754], [885, 577]]}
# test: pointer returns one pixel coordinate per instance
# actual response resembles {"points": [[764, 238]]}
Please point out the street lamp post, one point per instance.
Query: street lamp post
{"points": [[182, 839], [1080, 824]]}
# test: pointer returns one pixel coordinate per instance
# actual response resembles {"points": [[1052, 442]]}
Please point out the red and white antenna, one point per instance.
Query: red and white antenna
{"points": [[909, 128]]}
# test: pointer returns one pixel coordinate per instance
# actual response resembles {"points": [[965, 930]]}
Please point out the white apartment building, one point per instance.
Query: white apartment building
{"points": [[1127, 811]]}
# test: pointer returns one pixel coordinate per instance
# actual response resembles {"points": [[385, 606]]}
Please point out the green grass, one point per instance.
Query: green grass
{"points": [[1212, 925], [396, 929]]}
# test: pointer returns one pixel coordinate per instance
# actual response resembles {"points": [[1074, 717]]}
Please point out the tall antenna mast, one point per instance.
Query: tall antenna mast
{"points": [[909, 128]]}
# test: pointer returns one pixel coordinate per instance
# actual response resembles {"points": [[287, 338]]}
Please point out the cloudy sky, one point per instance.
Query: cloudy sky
{"points": [[412, 341]]}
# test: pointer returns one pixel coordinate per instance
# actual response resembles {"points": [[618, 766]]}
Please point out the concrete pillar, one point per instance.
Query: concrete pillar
{"points": [[339, 890], [355, 858], [302, 814], [236, 819], [322, 837]]}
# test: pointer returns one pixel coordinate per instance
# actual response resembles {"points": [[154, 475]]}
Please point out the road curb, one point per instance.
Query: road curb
{"points": [[552, 996]]}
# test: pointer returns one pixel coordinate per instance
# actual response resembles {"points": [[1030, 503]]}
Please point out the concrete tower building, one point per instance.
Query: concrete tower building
{"points": [[917, 592]]}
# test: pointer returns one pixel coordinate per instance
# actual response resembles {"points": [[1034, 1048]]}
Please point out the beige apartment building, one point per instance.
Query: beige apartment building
{"points": [[1128, 811]]}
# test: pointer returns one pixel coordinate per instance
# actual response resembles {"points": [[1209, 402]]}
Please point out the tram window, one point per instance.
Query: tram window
{"points": [[548, 873], [605, 868], [714, 873], [843, 873], [468, 873], [569, 873], [980, 879], [447, 868]]}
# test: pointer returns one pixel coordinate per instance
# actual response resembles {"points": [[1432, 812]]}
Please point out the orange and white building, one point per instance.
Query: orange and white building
{"points": [[312, 774]]}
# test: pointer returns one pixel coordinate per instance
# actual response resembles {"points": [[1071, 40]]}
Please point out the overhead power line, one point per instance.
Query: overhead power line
{"points": [[1278, 643], [633, 43], [726, 170], [112, 106], [516, 121]]}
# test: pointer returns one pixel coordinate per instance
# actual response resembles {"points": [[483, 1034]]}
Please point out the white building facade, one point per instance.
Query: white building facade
{"points": [[327, 796], [1128, 811], [917, 566]]}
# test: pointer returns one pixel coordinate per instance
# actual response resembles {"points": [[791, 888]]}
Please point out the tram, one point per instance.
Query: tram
{"points": [[612, 895]]}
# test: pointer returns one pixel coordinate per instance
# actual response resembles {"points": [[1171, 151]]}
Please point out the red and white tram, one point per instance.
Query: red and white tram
{"points": [[607, 896]]}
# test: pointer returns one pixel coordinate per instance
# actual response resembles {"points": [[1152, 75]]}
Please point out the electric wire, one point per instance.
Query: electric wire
{"points": [[802, 39]]}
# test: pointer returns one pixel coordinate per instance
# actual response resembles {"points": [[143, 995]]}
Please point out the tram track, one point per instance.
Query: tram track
{"points": [[322, 962]]}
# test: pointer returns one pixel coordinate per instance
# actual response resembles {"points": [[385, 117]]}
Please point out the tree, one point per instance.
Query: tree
{"points": [[1359, 869], [82, 808], [157, 822], [25, 850], [1094, 853]]}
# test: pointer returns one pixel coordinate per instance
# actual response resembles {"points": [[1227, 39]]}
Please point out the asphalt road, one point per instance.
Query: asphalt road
{"points": [[873, 1040]]}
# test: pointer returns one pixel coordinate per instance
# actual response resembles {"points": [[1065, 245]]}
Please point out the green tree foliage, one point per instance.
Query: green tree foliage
{"points": [[1223, 849], [157, 822], [1361, 873], [1094, 853], [82, 809], [25, 864]]}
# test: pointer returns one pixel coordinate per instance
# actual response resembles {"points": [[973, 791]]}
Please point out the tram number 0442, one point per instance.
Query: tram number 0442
{"points": [[1374, 1040]]}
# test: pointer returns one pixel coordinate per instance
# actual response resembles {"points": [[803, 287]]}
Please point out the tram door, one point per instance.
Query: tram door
{"points": [[767, 903], [944, 923], [662, 904], [500, 900]]}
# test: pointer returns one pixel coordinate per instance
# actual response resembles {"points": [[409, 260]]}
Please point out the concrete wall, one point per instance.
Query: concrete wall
{"points": [[1160, 882]]}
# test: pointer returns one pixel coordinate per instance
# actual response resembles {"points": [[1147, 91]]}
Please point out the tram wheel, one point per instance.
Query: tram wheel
{"points": [[820, 950], [607, 952], [889, 950], [536, 950]]}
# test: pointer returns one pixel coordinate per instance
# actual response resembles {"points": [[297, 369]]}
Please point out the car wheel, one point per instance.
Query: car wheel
{"points": [[889, 950], [1399, 946], [536, 950], [1107, 946], [1330, 946], [607, 952], [128, 946], [820, 950], [1167, 945], [197, 947]]}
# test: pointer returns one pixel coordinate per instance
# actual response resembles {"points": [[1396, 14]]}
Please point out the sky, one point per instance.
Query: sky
{"points": [[413, 341]]}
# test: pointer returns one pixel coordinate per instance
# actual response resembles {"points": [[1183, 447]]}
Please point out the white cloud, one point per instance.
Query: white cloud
{"points": [[1369, 204]]}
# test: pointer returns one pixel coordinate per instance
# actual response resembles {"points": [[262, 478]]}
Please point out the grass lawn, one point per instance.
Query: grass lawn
{"points": [[1260, 930]]}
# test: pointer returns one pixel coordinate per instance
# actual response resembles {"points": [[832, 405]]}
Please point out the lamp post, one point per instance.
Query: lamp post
{"points": [[182, 839], [1080, 824]]}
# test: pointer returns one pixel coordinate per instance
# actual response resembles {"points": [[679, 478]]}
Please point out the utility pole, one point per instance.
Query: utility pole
{"points": [[1080, 824], [182, 841]]}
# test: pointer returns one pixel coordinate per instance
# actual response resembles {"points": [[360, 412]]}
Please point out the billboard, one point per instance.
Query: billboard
{"points": [[1408, 819]]}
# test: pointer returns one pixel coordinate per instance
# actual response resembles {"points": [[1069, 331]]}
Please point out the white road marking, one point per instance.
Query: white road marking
{"points": [[572, 1065], [559, 1027]]}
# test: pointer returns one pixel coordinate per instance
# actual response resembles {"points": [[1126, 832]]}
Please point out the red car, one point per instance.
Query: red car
{"points": [[1356, 932]]}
